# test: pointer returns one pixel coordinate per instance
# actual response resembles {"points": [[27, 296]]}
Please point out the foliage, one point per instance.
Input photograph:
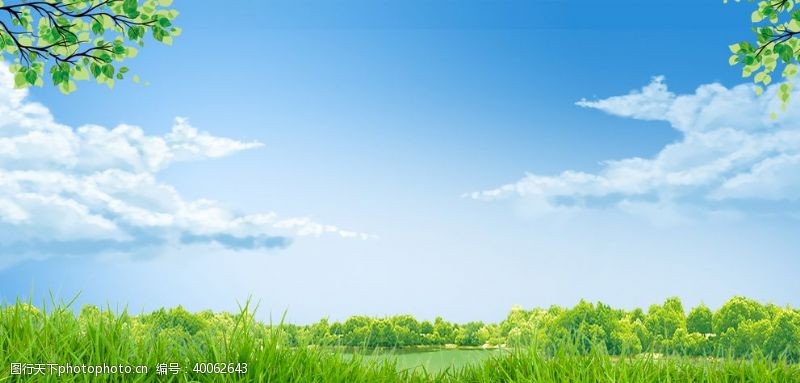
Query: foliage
{"points": [[699, 320], [70, 41], [96, 337], [737, 311], [776, 48], [741, 328]]}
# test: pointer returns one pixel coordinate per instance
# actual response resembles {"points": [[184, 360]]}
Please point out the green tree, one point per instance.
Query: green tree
{"points": [[736, 311], [445, 331], [320, 333], [685, 343], [176, 317], [776, 46], [382, 334], [625, 338], [784, 340], [662, 321], [747, 338], [69, 41], [699, 320], [356, 331], [590, 326], [637, 314], [469, 334]]}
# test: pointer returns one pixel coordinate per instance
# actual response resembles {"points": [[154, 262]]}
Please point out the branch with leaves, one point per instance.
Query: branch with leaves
{"points": [[74, 40], [776, 49]]}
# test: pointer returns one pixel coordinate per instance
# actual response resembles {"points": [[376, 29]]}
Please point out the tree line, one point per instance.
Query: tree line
{"points": [[741, 327]]}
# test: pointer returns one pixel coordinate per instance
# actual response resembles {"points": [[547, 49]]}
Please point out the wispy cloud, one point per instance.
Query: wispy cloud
{"points": [[91, 189], [732, 151]]}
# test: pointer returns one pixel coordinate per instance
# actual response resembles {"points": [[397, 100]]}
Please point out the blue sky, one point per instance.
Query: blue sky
{"points": [[391, 140]]}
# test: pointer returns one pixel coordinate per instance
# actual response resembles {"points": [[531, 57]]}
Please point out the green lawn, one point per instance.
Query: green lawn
{"points": [[435, 360]]}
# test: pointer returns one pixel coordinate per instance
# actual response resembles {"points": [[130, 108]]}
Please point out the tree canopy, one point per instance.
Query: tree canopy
{"points": [[73, 40], [776, 24], [741, 328]]}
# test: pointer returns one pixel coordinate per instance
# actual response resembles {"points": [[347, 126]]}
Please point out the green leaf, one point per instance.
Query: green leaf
{"points": [[67, 87], [96, 69], [79, 73], [97, 28], [790, 71], [133, 33], [31, 76], [131, 8], [20, 81], [108, 70], [785, 52], [756, 16]]}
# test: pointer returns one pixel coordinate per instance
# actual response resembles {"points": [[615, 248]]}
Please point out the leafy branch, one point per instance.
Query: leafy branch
{"points": [[80, 39], [777, 46]]}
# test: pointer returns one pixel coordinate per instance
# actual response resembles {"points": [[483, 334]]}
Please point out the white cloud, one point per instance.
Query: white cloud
{"points": [[93, 189], [731, 151]]}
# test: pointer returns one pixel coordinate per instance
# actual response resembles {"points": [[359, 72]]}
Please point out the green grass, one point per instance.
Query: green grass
{"points": [[93, 338], [433, 360]]}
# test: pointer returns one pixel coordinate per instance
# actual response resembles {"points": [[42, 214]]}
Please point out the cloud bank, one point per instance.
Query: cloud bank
{"points": [[733, 151], [91, 189]]}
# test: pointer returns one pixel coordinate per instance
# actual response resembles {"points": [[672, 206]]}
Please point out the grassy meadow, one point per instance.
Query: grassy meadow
{"points": [[434, 360], [96, 337]]}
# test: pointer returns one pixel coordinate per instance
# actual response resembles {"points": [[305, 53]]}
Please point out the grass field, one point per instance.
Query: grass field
{"points": [[433, 361], [58, 336]]}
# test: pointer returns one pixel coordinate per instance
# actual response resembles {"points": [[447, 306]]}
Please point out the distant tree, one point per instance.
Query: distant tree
{"points": [[637, 314], [777, 28], [784, 340], [426, 333], [609, 320], [320, 333], [700, 320], [490, 334], [747, 337], [356, 331], [289, 333], [685, 343], [469, 334], [174, 318], [445, 331], [406, 321], [736, 311], [69, 41], [425, 327], [625, 338], [589, 326], [382, 334], [662, 321], [646, 338]]}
